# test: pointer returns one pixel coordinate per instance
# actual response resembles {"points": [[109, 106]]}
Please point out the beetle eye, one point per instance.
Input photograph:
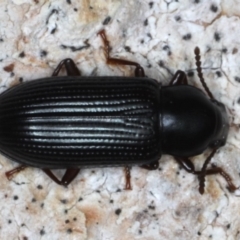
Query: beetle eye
{"points": [[214, 144], [217, 143]]}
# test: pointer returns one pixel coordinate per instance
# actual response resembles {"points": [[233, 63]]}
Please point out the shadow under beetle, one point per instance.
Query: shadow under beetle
{"points": [[73, 122]]}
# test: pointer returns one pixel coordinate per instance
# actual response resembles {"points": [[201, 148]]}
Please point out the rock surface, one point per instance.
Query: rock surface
{"points": [[161, 36]]}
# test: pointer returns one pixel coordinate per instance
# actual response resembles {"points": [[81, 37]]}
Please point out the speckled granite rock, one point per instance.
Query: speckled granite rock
{"points": [[161, 36]]}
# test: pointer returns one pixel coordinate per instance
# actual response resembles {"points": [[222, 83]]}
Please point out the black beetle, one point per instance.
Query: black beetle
{"points": [[73, 122]]}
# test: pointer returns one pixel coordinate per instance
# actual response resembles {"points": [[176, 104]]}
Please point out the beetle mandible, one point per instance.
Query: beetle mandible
{"points": [[74, 121]]}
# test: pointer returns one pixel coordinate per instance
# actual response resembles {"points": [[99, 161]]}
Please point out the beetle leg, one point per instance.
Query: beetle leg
{"points": [[51, 175], [186, 163], [70, 66], [202, 174], [67, 178], [139, 71], [179, 78], [151, 166], [9, 174], [128, 178], [189, 167]]}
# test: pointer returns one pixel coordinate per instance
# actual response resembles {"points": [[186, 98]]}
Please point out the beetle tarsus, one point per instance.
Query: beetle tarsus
{"points": [[201, 184], [218, 170]]}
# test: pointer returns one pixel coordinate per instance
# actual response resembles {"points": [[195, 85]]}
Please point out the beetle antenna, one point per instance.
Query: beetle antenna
{"points": [[203, 171], [199, 71]]}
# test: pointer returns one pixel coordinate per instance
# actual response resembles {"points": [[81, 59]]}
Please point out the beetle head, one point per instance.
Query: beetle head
{"points": [[222, 125]]}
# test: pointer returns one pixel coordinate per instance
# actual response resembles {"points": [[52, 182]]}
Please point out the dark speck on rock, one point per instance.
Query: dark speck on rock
{"points": [[118, 211], [145, 23], [208, 49], [187, 36], [149, 35], [217, 36], [161, 63], [237, 79], [22, 54], [218, 73], [53, 30], [214, 8], [42, 232], [224, 50], [235, 50], [150, 4], [177, 18], [64, 201], [15, 197], [166, 48], [43, 53], [106, 20], [151, 207], [127, 48]]}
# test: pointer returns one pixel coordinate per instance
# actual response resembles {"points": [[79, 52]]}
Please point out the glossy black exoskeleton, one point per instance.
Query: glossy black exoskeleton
{"points": [[73, 122]]}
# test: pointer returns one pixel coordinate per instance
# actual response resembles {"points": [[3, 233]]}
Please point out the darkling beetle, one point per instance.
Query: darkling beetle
{"points": [[73, 122]]}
